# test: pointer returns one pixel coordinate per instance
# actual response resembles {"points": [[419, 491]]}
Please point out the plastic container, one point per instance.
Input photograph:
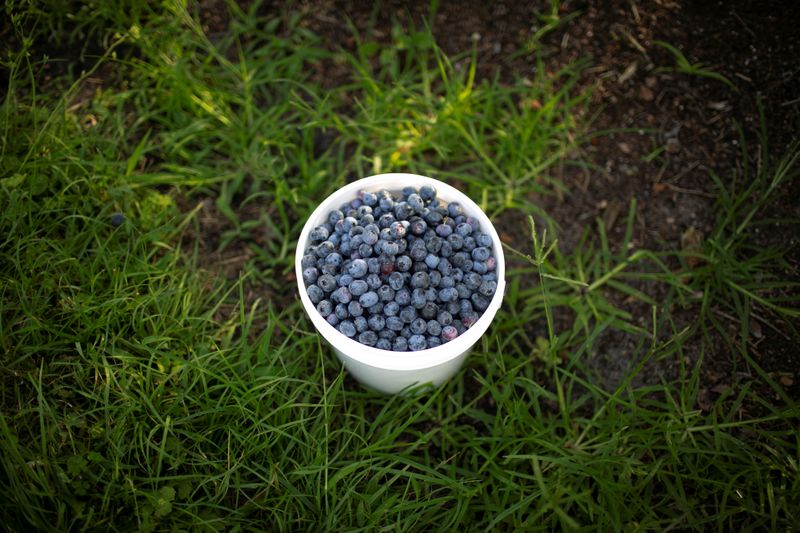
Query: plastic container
{"points": [[387, 371]]}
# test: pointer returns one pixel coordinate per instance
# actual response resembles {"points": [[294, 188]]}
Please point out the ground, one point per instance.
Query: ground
{"points": [[158, 160], [656, 132]]}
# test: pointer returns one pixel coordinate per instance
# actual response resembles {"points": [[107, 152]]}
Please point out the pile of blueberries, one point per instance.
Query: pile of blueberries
{"points": [[400, 273]]}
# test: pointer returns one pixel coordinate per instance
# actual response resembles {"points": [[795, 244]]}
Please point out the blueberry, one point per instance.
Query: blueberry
{"points": [[391, 308], [324, 249], [364, 210], [385, 293], [354, 308], [445, 267], [418, 326], [357, 268], [333, 258], [376, 309], [348, 224], [479, 301], [394, 323], [459, 259], [396, 280], [341, 311], [370, 237], [469, 244], [479, 267], [490, 276], [420, 280], [368, 299], [376, 323], [456, 241], [387, 334], [433, 217], [419, 266], [463, 229], [472, 280], [416, 203], [385, 221], [482, 239], [427, 193], [419, 250], [449, 294], [403, 263], [117, 219], [460, 327], [407, 314], [335, 216], [416, 343], [332, 319], [443, 230], [491, 264], [315, 294], [447, 282], [418, 226], [444, 318], [406, 332], [341, 295], [465, 306], [308, 261], [347, 328], [481, 253], [385, 201], [452, 308], [368, 338], [344, 280], [446, 249], [434, 245], [325, 307], [469, 319], [358, 287], [463, 291], [431, 294], [374, 281], [400, 344], [361, 324], [418, 298], [433, 342], [429, 310], [402, 297], [318, 234], [373, 265], [408, 190], [487, 288], [327, 282], [383, 344], [432, 261], [390, 248], [455, 209], [364, 250], [397, 230], [387, 267], [369, 199], [436, 278], [403, 210], [310, 275], [330, 270], [449, 333], [433, 328]]}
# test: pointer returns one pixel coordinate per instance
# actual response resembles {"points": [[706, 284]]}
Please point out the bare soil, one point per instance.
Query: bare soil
{"points": [[675, 127]]}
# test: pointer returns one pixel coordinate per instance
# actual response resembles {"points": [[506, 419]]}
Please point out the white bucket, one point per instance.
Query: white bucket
{"points": [[387, 371]]}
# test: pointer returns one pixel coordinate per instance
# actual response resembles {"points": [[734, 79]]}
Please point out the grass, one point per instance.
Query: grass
{"points": [[141, 391]]}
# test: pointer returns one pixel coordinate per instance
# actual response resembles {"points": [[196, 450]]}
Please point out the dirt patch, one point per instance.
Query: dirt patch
{"points": [[672, 128]]}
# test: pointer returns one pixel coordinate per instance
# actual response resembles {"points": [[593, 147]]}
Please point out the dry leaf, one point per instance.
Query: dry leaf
{"points": [[692, 242]]}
